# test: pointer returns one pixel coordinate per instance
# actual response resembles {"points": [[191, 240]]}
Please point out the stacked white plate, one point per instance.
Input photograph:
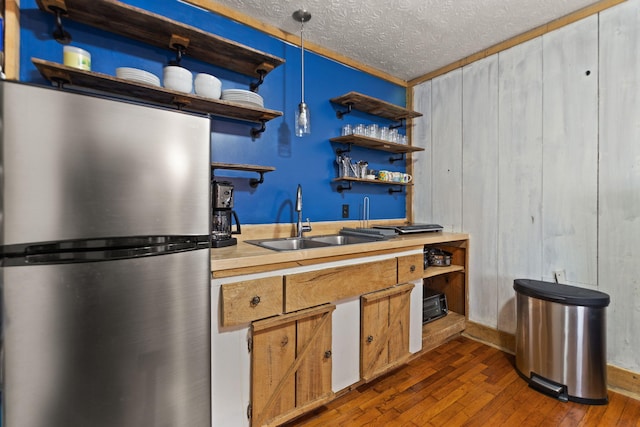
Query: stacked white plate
{"points": [[137, 75], [242, 96]]}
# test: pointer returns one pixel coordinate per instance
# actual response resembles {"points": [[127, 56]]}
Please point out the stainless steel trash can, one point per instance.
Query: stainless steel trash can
{"points": [[561, 340]]}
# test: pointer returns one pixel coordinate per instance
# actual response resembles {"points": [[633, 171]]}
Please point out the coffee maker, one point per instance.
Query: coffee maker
{"points": [[222, 209]]}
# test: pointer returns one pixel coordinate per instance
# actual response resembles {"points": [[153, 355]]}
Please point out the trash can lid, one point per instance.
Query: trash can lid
{"points": [[563, 294]]}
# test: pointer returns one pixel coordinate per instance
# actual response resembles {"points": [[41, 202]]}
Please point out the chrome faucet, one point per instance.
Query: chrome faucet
{"points": [[299, 227]]}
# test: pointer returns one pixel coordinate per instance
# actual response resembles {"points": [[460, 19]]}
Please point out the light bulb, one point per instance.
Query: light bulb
{"points": [[303, 120]]}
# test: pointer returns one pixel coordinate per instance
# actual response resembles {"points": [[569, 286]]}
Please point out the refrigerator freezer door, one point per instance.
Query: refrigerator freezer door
{"points": [[120, 343], [75, 166]]}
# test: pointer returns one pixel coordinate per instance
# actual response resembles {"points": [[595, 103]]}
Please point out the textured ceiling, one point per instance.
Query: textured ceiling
{"points": [[408, 38]]}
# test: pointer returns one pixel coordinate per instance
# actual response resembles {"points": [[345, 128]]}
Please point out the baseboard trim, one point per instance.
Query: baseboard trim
{"points": [[618, 379], [493, 337]]}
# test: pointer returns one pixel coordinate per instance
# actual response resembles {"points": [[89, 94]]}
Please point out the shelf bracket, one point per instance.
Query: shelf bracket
{"points": [[396, 159], [255, 132], [391, 190], [180, 44], [180, 102], [399, 125], [340, 151], [342, 188], [255, 182], [61, 35], [180, 50], [255, 85], [341, 114]]}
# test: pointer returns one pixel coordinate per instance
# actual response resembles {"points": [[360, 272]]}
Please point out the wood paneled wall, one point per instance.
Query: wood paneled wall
{"points": [[619, 180], [538, 147]]}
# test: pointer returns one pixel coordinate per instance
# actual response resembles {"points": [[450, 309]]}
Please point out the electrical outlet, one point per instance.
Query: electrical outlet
{"points": [[345, 211], [560, 276]]}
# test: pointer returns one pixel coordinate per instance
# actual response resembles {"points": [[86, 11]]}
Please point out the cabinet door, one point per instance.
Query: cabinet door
{"points": [[290, 365], [272, 385], [313, 379], [384, 342]]}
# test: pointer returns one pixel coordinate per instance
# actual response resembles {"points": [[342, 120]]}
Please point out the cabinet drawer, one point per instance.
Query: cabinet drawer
{"points": [[243, 302], [304, 290], [410, 268]]}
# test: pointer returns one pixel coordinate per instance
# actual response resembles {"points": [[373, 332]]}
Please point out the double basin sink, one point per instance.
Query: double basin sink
{"points": [[299, 243]]}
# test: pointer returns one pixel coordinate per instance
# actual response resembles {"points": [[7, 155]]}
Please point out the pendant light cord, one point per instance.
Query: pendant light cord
{"points": [[302, 56]]}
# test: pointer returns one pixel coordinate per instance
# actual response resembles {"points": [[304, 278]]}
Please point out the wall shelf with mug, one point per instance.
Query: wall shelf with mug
{"points": [[351, 180]]}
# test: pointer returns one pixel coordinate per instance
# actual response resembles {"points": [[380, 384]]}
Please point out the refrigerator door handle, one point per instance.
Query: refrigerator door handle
{"points": [[70, 253]]}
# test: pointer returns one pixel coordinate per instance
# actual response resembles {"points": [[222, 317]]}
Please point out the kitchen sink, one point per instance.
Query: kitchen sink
{"points": [[311, 242], [288, 244], [340, 239]]}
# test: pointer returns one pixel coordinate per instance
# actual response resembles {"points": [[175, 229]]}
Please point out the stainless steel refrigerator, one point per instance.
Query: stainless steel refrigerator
{"points": [[105, 265]]}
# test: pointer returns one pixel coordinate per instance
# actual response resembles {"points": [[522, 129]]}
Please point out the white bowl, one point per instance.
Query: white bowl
{"points": [[208, 86], [177, 78]]}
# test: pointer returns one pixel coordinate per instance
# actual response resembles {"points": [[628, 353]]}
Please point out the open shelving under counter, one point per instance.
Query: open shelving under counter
{"points": [[62, 74], [437, 271], [442, 330]]}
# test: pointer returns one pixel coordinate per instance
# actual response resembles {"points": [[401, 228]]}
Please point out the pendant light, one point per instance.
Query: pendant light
{"points": [[303, 116]]}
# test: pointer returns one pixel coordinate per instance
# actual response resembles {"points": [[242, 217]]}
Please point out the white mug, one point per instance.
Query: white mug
{"points": [[407, 178]]}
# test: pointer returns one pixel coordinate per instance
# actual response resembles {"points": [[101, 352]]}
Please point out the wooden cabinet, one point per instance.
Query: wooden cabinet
{"points": [[327, 326], [384, 341], [290, 365], [245, 301]]}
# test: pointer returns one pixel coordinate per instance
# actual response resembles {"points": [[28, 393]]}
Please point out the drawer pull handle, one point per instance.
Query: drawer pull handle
{"points": [[255, 301], [327, 354], [412, 268], [370, 338]]}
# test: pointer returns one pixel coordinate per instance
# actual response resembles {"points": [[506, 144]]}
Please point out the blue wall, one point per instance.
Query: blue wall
{"points": [[309, 161]]}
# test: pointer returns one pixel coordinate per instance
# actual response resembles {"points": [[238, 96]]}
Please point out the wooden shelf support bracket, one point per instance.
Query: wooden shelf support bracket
{"points": [[397, 159], [255, 132], [342, 188], [58, 8], [255, 85], [341, 114], [253, 182], [399, 125], [180, 44], [341, 151]]}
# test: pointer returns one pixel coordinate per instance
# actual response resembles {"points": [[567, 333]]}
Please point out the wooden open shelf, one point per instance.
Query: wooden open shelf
{"points": [[442, 330], [375, 143], [156, 30], [62, 74], [437, 271], [241, 167], [261, 170], [375, 106]]}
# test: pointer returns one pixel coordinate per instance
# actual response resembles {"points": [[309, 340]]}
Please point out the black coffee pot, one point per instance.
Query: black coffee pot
{"points": [[222, 211]]}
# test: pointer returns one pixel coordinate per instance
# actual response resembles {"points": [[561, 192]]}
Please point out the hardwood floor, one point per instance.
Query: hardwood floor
{"points": [[463, 383]]}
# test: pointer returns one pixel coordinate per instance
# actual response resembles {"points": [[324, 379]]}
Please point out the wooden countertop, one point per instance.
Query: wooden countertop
{"points": [[245, 258]]}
